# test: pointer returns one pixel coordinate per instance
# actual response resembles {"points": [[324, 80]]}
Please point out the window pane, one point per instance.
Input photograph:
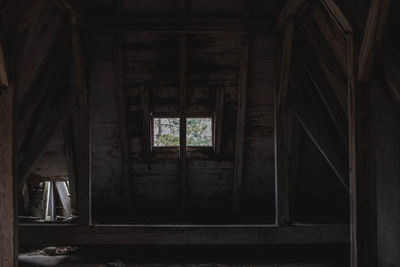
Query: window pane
{"points": [[199, 132], [166, 132]]}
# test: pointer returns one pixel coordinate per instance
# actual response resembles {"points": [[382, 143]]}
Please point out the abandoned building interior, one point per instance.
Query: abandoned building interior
{"points": [[200, 133]]}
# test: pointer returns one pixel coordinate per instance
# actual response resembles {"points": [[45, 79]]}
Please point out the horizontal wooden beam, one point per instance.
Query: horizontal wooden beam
{"points": [[44, 235], [175, 25]]}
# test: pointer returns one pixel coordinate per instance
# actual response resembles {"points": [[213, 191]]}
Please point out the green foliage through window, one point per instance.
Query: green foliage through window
{"points": [[166, 132], [198, 132]]}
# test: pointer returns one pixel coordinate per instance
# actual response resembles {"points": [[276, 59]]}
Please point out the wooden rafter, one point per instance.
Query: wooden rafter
{"points": [[31, 104], [330, 67], [309, 113], [292, 9], [378, 13], [325, 92], [29, 155], [40, 51], [338, 16], [240, 125]]}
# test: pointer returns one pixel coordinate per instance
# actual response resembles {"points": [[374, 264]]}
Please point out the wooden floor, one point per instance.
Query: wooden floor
{"points": [[26, 261], [196, 256]]}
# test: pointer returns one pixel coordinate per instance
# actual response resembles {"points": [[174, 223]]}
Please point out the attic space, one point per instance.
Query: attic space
{"points": [[200, 133]]}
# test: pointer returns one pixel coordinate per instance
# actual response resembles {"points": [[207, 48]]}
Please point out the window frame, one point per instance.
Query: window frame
{"points": [[163, 116], [202, 116], [177, 115]]}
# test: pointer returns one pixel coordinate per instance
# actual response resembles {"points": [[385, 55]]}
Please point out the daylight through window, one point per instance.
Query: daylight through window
{"points": [[166, 132], [199, 132]]}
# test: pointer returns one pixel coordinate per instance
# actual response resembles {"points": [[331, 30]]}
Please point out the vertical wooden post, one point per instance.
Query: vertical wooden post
{"points": [[8, 245], [282, 129], [146, 145], [83, 158], [120, 97], [363, 202], [240, 125], [219, 113], [183, 110]]}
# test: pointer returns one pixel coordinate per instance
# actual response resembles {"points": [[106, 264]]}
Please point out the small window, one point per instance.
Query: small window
{"points": [[199, 132], [166, 132]]}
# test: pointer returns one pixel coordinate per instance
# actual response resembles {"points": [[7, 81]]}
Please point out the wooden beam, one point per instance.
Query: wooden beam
{"points": [[294, 149], [83, 166], [63, 194], [363, 181], [82, 137], [240, 125], [120, 97], [33, 101], [219, 115], [327, 62], [68, 132], [389, 73], [29, 155], [292, 9], [337, 15], [71, 8], [45, 235], [25, 198], [79, 65], [3, 70], [183, 111], [40, 49], [309, 63], [309, 112], [378, 14], [285, 64], [146, 144], [8, 246], [32, 16], [175, 25], [362, 155], [282, 212]]}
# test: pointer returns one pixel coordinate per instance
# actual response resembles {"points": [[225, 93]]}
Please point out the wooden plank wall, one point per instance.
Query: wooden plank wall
{"points": [[151, 65]]}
